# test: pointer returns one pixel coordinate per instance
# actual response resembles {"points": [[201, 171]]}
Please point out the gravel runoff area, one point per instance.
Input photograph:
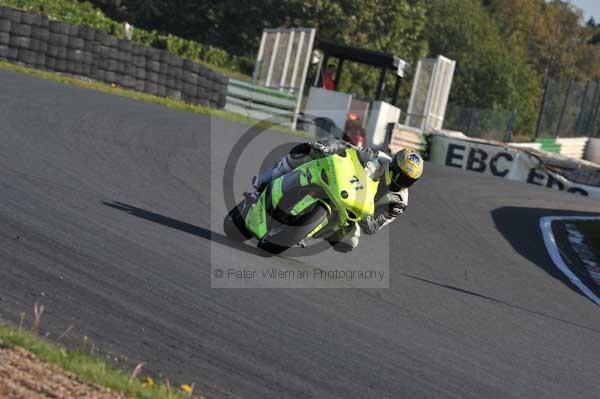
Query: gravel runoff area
{"points": [[24, 376]]}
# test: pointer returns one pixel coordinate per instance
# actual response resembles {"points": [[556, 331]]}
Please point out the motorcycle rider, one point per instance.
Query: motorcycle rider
{"points": [[400, 172]]}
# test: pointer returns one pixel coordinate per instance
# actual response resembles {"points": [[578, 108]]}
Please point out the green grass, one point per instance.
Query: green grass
{"points": [[80, 363], [590, 229], [167, 102]]}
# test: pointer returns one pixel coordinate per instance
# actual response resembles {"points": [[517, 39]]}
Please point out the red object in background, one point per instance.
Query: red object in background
{"points": [[353, 131], [328, 80]]}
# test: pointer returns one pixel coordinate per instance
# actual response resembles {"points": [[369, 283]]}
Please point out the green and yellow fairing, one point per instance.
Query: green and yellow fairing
{"points": [[348, 184]]}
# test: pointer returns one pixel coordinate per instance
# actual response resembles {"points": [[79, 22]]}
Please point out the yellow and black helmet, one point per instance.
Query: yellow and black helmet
{"points": [[405, 169]]}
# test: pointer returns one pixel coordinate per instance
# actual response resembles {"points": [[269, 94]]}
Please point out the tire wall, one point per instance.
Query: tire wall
{"points": [[33, 40]]}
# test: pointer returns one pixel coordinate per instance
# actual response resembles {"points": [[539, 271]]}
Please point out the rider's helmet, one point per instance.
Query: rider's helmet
{"points": [[405, 169]]}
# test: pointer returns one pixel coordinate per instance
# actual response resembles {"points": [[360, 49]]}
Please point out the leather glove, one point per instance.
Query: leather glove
{"points": [[395, 204], [328, 147]]}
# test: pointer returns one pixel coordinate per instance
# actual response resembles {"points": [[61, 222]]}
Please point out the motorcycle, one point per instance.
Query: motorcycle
{"points": [[316, 200]]}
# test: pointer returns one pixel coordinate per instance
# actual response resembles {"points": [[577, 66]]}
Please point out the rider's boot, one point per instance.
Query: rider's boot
{"points": [[345, 241], [261, 180]]}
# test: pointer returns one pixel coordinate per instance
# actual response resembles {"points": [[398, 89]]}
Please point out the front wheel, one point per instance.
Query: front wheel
{"points": [[281, 237]]}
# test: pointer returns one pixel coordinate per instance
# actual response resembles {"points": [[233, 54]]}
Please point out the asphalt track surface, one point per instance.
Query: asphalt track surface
{"points": [[105, 218]]}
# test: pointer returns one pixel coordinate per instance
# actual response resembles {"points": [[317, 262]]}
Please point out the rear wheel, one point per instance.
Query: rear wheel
{"points": [[284, 236], [234, 226]]}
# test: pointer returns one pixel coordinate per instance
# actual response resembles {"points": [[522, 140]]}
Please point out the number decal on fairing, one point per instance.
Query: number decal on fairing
{"points": [[357, 184]]}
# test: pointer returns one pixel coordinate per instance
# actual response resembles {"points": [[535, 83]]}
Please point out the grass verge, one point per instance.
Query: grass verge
{"points": [[89, 368], [165, 101]]}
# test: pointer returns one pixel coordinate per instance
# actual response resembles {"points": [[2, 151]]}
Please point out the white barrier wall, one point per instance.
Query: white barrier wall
{"points": [[430, 92], [572, 147], [381, 116], [500, 161], [532, 146], [328, 104], [592, 152]]}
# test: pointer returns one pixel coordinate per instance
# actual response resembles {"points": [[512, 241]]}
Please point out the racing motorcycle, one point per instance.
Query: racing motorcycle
{"points": [[316, 200]]}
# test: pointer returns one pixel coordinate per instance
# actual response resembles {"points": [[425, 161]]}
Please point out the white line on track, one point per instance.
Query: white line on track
{"points": [[553, 251]]}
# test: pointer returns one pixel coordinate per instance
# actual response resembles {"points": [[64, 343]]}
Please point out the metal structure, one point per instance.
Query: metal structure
{"points": [[283, 60], [260, 102], [481, 123], [569, 109], [430, 92], [383, 61]]}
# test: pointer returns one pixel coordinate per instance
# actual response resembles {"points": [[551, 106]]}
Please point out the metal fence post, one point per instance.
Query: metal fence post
{"points": [[510, 127], [338, 73], [471, 119], [562, 112], [380, 84], [541, 114], [259, 58], [594, 113], [286, 62], [273, 57], [311, 42], [581, 113]]}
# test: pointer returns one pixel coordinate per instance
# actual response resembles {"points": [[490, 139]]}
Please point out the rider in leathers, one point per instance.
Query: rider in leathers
{"points": [[401, 171]]}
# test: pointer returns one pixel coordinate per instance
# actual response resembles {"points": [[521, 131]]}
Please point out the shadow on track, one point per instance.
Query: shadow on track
{"points": [[521, 228], [294, 252], [499, 301], [185, 227]]}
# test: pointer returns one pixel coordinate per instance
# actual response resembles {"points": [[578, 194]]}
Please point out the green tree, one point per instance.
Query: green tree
{"points": [[489, 74], [551, 35], [393, 26], [390, 26]]}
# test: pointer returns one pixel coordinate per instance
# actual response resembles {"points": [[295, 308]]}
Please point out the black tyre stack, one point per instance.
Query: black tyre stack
{"points": [[152, 70], [138, 53], [5, 26], [175, 77], [31, 39], [20, 39], [90, 47], [58, 42]]}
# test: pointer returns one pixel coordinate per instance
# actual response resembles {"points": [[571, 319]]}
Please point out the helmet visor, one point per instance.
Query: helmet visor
{"points": [[400, 179]]}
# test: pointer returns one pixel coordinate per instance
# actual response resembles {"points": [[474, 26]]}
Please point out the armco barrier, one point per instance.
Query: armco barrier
{"points": [[260, 102], [34, 40]]}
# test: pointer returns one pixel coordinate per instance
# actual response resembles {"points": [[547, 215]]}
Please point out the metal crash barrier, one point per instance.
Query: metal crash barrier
{"points": [[260, 102]]}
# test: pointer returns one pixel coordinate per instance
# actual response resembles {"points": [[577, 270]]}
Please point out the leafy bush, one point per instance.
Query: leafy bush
{"points": [[70, 11], [84, 13]]}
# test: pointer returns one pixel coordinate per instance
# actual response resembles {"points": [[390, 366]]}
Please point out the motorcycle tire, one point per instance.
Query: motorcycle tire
{"points": [[284, 237]]}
